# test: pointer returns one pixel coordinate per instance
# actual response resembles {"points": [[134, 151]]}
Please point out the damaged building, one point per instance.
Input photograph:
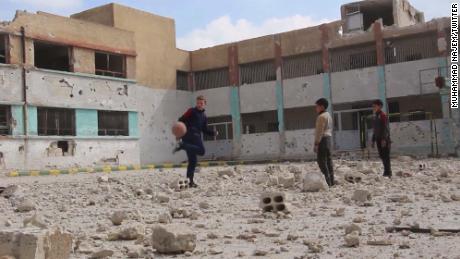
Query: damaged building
{"points": [[100, 87]]}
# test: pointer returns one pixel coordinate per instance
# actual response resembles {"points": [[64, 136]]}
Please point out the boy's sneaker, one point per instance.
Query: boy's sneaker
{"points": [[193, 185], [177, 148]]}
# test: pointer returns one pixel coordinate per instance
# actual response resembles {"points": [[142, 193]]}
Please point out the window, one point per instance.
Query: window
{"points": [[260, 122], [258, 72], [113, 123], [393, 110], [52, 56], [353, 57], [302, 65], [110, 65], [56, 122], [182, 80], [5, 120], [411, 48], [223, 125], [214, 78], [300, 118], [3, 44]]}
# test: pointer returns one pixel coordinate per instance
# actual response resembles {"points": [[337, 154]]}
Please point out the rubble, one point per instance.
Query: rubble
{"points": [[314, 182], [37, 244], [273, 202], [117, 217], [361, 196], [352, 239], [173, 239], [226, 218], [25, 206]]}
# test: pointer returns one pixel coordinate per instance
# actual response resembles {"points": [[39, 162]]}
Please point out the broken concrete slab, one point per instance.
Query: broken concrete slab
{"points": [[173, 239], [36, 244]]}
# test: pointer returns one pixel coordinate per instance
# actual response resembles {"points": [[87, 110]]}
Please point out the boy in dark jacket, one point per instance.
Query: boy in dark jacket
{"points": [[196, 121], [382, 136]]}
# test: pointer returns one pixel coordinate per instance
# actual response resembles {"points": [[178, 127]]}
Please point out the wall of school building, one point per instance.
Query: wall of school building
{"points": [[410, 83], [151, 113]]}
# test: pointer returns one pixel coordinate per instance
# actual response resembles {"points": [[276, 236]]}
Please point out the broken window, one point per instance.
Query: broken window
{"points": [[361, 16], [108, 64], [353, 57], [300, 118], [3, 44], [5, 120], [257, 72], [222, 124], [411, 48], [52, 56], [302, 65], [260, 122], [214, 78], [113, 123], [182, 80], [56, 122]]}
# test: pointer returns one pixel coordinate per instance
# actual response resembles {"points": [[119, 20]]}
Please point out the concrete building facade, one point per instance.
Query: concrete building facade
{"points": [[100, 87]]}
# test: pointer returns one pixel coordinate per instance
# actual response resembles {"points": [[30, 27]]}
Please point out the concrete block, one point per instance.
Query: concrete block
{"points": [[36, 244], [353, 178], [273, 202], [179, 185]]}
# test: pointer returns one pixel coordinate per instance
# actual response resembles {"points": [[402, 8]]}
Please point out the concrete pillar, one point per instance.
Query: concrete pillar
{"points": [[17, 114], [443, 66], [234, 76], [378, 35], [279, 93], [86, 122], [450, 124], [32, 127], [327, 91], [133, 121]]}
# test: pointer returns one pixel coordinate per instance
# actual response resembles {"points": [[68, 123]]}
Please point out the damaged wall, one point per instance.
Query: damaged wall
{"points": [[260, 146], [355, 85], [218, 101], [411, 78], [258, 97], [302, 91]]}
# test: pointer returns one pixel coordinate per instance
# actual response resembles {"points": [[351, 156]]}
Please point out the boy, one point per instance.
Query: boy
{"points": [[323, 140], [382, 136], [196, 122]]}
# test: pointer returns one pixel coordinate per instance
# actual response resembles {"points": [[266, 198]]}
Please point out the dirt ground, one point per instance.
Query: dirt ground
{"points": [[225, 215]]}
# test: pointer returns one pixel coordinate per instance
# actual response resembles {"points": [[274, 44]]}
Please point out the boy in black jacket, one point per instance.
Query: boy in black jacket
{"points": [[382, 136], [196, 122]]}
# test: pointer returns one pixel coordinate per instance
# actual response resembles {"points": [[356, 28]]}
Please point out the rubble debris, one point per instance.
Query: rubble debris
{"points": [[273, 202], [33, 243], [173, 239], [314, 182]]}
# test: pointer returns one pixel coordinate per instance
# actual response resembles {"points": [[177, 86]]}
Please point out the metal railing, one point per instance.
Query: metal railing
{"points": [[214, 78], [353, 57], [411, 48], [302, 65], [257, 72]]}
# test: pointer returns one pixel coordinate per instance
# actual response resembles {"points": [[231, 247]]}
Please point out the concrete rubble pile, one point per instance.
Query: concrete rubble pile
{"points": [[269, 211]]}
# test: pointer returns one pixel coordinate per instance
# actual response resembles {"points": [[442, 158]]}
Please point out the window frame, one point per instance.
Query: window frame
{"points": [[7, 121], [123, 73], [6, 42], [70, 55], [103, 130], [57, 113]]}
